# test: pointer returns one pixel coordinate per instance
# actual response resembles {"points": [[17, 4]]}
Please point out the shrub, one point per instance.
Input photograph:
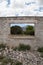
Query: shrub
{"points": [[29, 30], [2, 46], [18, 63], [16, 30], [6, 61], [22, 47], [40, 49]]}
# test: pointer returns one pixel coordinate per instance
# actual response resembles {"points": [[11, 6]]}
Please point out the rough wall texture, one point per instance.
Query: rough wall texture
{"points": [[6, 37]]}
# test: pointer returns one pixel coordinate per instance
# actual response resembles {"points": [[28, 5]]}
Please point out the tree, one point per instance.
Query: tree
{"points": [[16, 30], [29, 30]]}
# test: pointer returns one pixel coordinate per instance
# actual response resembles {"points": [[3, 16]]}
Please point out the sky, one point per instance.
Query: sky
{"points": [[21, 8], [21, 25]]}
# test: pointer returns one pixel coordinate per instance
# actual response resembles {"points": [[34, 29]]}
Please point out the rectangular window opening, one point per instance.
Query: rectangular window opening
{"points": [[22, 29]]}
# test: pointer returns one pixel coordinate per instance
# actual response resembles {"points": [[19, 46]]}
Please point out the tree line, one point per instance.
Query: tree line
{"points": [[17, 30]]}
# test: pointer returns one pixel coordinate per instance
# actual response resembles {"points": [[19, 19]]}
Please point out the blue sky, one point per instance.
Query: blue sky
{"points": [[22, 25], [21, 8]]}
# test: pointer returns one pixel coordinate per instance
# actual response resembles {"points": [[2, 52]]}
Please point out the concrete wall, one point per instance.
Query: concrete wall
{"points": [[6, 37], [39, 32]]}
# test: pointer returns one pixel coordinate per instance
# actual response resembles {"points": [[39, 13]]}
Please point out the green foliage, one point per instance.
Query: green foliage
{"points": [[16, 30], [40, 49], [2, 46], [18, 63], [6, 61], [22, 47], [30, 30]]}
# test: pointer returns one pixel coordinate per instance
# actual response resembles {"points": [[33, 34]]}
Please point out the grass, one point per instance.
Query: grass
{"points": [[22, 47]]}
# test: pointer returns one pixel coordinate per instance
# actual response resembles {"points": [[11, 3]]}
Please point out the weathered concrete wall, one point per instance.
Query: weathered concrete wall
{"points": [[5, 36], [39, 32]]}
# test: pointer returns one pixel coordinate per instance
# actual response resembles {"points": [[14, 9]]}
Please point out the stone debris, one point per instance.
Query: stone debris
{"points": [[26, 57]]}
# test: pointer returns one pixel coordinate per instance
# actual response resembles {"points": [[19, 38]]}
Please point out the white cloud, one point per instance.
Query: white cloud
{"points": [[41, 2], [21, 8]]}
